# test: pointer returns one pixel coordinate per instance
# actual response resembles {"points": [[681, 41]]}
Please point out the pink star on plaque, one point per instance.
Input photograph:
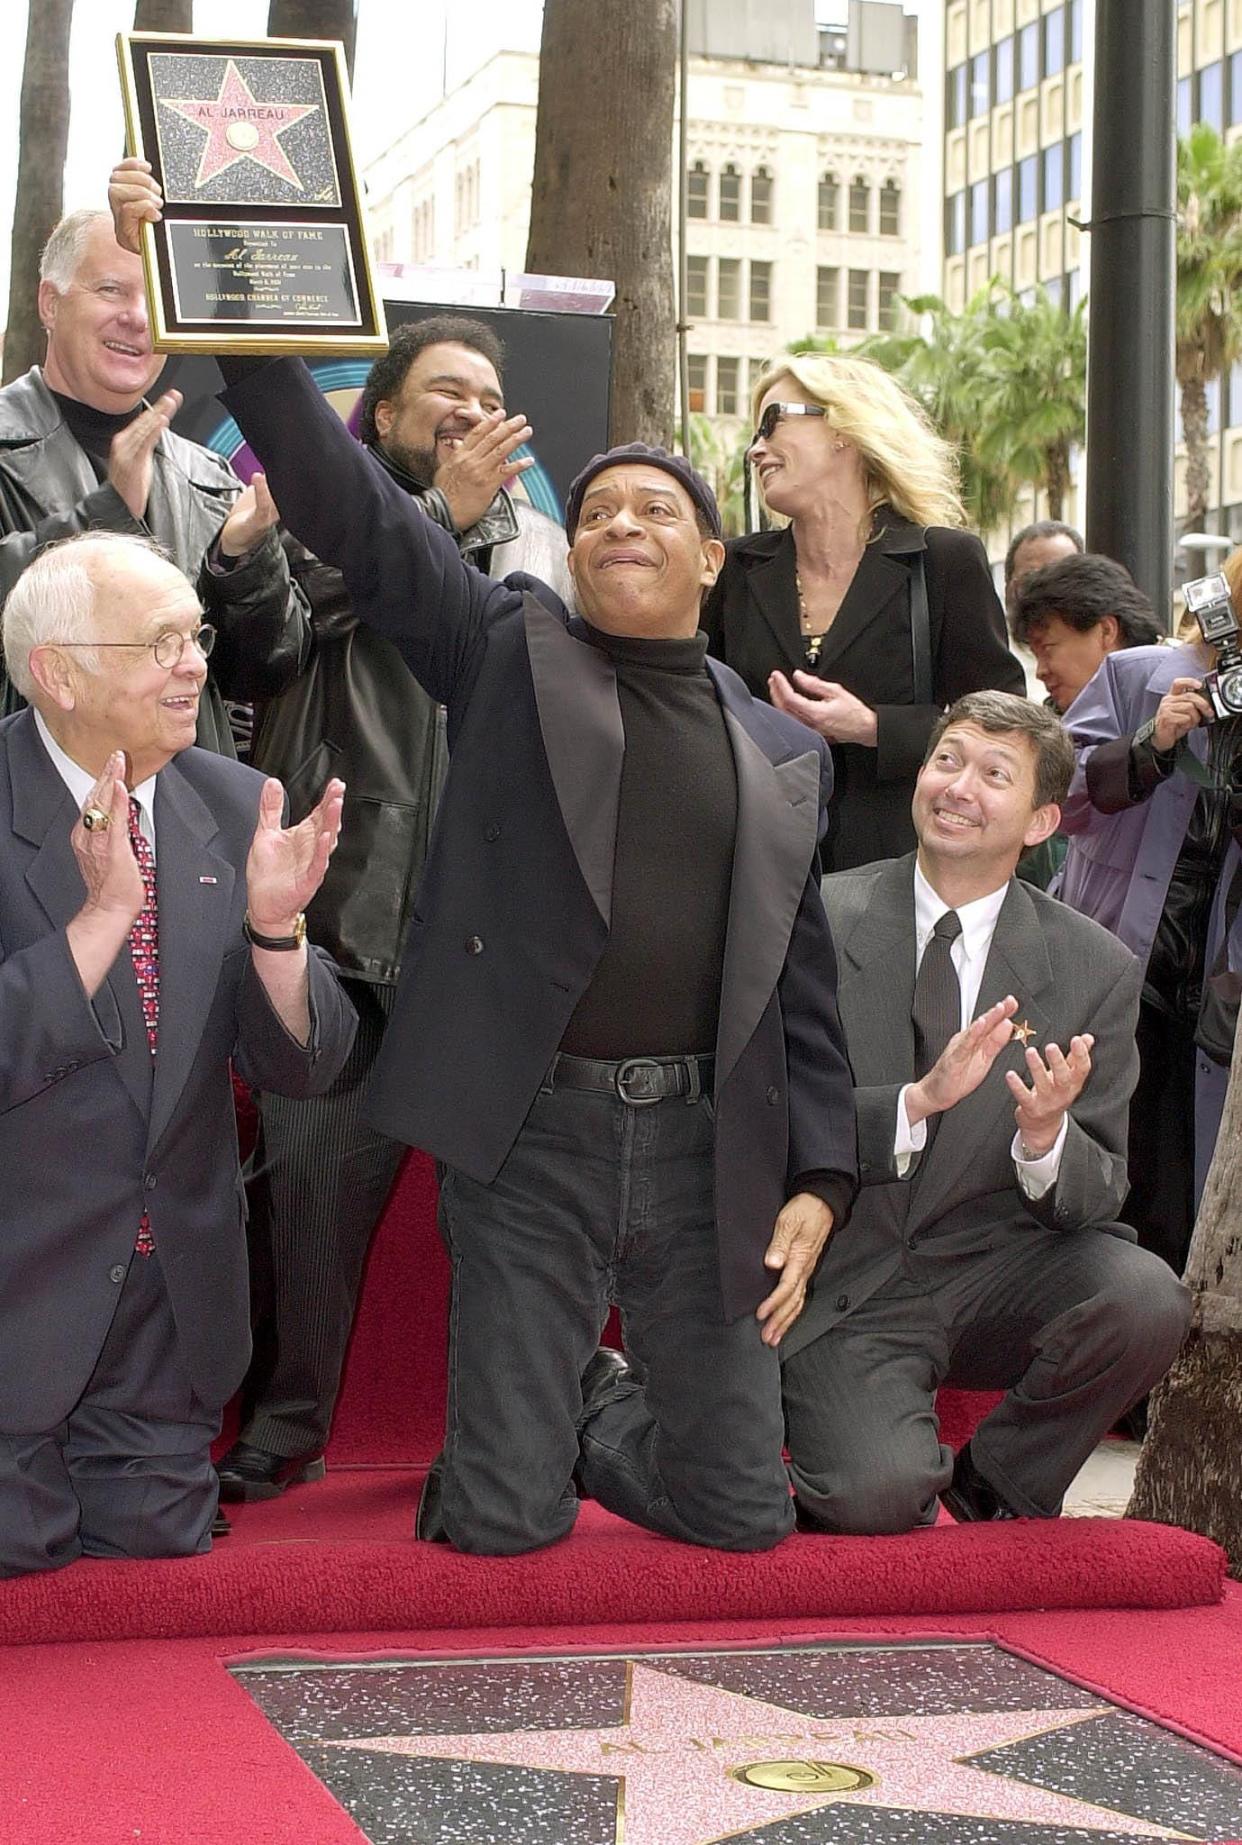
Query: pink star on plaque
{"points": [[697, 1764], [240, 127]]}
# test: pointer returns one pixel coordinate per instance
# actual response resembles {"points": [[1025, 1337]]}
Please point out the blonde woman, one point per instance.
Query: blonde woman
{"points": [[871, 610]]}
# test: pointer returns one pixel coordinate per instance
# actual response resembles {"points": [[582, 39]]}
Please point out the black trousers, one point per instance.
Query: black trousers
{"points": [[1161, 1204], [320, 1182], [1074, 1326], [601, 1202], [128, 1473]]}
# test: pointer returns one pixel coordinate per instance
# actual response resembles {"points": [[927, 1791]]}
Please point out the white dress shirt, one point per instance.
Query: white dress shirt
{"points": [[969, 954], [81, 783]]}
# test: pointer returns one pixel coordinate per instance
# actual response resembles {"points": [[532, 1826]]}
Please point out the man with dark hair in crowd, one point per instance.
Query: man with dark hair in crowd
{"points": [[83, 449], [1073, 612], [322, 1174], [977, 1255], [1035, 545]]}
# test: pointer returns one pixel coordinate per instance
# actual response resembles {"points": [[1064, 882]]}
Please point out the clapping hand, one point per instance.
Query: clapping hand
{"points": [[1054, 1087], [479, 466], [286, 864], [251, 517], [963, 1063], [824, 706], [105, 857]]}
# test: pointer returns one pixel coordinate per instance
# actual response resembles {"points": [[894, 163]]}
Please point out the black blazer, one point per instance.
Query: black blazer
{"points": [[92, 1130], [513, 911], [751, 618]]}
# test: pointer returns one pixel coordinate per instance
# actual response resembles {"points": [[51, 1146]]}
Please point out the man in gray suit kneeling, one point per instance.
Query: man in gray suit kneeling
{"points": [[151, 932], [991, 1032]]}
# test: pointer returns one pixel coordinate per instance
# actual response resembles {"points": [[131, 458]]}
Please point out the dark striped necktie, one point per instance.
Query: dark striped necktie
{"points": [[937, 1009]]}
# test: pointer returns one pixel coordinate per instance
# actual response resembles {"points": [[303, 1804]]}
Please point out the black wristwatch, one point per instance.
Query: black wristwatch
{"points": [[276, 942]]}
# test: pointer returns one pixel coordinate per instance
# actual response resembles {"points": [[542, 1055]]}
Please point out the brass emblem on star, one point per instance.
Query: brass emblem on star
{"points": [[1023, 1033], [803, 1777]]}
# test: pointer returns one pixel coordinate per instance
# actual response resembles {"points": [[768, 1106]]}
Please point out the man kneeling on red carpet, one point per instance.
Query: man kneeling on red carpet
{"points": [[975, 1005], [151, 932]]}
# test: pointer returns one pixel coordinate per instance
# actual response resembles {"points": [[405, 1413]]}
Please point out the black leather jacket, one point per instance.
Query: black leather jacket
{"points": [[49, 489], [357, 712]]}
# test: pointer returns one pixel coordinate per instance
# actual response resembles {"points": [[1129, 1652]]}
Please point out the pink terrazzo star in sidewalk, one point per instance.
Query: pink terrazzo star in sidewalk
{"points": [[682, 1747], [240, 127]]}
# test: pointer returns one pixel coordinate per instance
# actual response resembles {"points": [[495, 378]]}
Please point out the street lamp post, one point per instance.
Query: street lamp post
{"points": [[1133, 270]]}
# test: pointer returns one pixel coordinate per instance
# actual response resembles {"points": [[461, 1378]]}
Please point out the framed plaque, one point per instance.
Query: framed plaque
{"points": [[262, 247]]}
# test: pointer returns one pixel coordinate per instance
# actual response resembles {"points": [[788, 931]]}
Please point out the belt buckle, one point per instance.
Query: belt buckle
{"points": [[635, 1067]]}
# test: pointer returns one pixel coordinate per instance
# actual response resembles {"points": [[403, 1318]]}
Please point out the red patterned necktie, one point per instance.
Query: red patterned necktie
{"points": [[144, 948]]}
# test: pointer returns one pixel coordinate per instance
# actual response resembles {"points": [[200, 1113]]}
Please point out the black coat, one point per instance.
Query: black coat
{"points": [[513, 911], [751, 618]]}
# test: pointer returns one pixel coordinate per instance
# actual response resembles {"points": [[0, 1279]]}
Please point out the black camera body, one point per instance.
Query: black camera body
{"points": [[1210, 603]]}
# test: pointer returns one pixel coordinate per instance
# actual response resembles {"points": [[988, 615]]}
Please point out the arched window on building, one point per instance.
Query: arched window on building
{"points": [[860, 205], [829, 195], [761, 196], [697, 184], [890, 209], [730, 195]]}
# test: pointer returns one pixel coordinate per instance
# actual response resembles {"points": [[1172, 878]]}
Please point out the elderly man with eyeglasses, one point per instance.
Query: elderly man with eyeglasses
{"points": [[151, 932]]}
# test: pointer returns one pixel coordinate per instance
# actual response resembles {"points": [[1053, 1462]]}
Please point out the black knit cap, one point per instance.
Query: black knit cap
{"points": [[676, 465]]}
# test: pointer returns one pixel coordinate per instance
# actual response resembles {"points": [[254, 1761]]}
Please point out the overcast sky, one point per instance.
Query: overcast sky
{"points": [[398, 72]]}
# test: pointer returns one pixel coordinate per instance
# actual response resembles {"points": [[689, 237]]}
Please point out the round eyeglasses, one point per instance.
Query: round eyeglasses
{"points": [[772, 416], [168, 647]]}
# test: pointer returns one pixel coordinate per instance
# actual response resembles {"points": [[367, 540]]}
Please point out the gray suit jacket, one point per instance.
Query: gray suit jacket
{"points": [[92, 1129], [1068, 976]]}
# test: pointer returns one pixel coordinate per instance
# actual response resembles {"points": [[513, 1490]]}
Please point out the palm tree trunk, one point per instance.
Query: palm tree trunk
{"points": [[1195, 430], [601, 201], [42, 139], [164, 16], [1190, 1468], [1057, 478], [331, 19]]}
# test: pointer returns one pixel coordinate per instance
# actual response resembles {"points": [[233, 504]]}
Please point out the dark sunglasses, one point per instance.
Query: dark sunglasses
{"points": [[772, 416]]}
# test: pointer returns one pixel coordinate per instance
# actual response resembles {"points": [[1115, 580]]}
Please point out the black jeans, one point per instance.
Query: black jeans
{"points": [[601, 1202]]}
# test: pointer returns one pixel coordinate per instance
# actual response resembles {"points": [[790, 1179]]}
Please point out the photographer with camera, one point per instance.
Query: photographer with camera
{"points": [[1155, 823]]}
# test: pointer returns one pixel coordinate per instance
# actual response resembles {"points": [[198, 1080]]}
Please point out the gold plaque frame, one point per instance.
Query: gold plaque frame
{"points": [[252, 256]]}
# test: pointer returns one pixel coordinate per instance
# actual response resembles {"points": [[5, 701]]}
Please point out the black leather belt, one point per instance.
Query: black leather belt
{"points": [[640, 1081]]}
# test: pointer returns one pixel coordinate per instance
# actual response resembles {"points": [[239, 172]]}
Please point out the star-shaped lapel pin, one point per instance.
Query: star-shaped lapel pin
{"points": [[1023, 1033], [240, 127]]}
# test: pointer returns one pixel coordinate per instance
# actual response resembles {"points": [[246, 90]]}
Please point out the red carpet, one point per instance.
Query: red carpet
{"points": [[89, 1734], [341, 1556]]}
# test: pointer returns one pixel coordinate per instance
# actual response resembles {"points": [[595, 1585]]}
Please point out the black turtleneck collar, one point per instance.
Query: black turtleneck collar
{"points": [[678, 654], [402, 476]]}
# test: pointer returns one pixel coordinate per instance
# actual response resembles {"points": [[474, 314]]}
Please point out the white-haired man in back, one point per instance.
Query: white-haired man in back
{"points": [[83, 447]]}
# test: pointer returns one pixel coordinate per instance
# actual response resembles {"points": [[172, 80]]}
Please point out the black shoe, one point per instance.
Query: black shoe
{"points": [[968, 1498], [429, 1518], [252, 1473], [220, 1526], [607, 1378]]}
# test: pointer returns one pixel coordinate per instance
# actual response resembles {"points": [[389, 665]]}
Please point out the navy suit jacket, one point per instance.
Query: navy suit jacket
{"points": [[93, 1131], [514, 907]]}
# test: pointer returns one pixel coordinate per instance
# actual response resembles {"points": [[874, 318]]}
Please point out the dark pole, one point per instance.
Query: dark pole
{"points": [[1133, 256]]}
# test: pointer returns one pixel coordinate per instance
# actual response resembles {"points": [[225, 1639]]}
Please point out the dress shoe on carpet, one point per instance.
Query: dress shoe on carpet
{"points": [[429, 1518], [607, 1378], [968, 1498], [220, 1526], [252, 1473]]}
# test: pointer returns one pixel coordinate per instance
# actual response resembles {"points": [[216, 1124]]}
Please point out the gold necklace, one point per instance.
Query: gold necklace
{"points": [[813, 643]]}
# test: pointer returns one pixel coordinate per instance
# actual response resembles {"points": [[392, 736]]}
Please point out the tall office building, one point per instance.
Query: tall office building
{"points": [[1018, 98], [803, 205]]}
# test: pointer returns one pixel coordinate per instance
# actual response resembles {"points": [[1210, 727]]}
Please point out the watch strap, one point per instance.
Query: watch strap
{"points": [[277, 943]]}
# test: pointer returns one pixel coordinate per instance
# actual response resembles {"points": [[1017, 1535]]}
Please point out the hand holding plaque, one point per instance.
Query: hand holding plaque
{"points": [[257, 243]]}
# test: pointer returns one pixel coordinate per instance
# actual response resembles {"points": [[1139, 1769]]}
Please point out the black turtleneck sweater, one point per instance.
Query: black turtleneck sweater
{"points": [[93, 429], [656, 989]]}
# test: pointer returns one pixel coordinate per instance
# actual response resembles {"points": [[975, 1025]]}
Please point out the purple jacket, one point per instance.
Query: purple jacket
{"points": [[1119, 865]]}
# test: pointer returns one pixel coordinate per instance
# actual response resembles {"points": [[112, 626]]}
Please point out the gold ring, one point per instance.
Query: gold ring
{"points": [[95, 820]]}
